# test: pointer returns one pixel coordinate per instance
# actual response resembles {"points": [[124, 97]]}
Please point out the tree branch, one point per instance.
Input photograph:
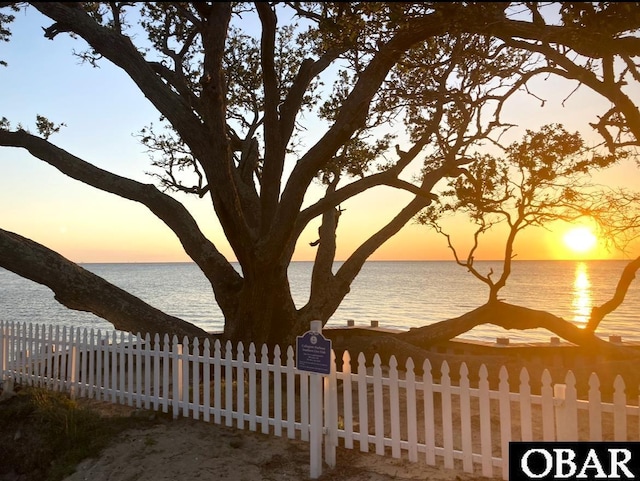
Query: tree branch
{"points": [[119, 50], [219, 272], [351, 117], [273, 143], [81, 290], [598, 313], [509, 316]]}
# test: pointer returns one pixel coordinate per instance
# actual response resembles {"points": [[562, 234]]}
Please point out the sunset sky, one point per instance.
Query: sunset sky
{"points": [[103, 110]]}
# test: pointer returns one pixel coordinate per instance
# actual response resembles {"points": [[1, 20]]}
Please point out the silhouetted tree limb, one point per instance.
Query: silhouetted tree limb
{"points": [[79, 289], [509, 316], [599, 312]]}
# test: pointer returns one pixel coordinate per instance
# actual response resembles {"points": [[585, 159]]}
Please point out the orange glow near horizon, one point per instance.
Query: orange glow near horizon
{"points": [[413, 243]]}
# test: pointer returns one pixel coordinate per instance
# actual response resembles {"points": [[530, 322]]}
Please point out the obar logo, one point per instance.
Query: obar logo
{"points": [[579, 460]]}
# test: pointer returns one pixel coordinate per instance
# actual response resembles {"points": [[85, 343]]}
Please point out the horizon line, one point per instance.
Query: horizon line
{"points": [[371, 260]]}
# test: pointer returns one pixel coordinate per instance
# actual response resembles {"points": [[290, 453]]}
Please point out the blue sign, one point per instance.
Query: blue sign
{"points": [[313, 353]]}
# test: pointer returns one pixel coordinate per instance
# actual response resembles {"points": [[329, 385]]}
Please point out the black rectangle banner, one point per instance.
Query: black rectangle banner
{"points": [[574, 460]]}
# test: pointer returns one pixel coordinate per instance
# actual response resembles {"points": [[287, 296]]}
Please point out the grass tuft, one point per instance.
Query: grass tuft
{"points": [[45, 434]]}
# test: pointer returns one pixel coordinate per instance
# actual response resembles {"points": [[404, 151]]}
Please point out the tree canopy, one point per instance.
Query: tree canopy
{"points": [[234, 85]]}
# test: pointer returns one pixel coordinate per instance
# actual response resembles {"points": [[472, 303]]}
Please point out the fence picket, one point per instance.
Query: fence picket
{"points": [[447, 415], [291, 394], [485, 422], [128, 350], [166, 359], [228, 384], [378, 405], [505, 419], [184, 378], [217, 382], [113, 361], [143, 364], [394, 406], [91, 355], [99, 356], [566, 409], [195, 379], [50, 361], [347, 400], [619, 410], [548, 411], [206, 380], [240, 373], [595, 411], [251, 370], [526, 429], [264, 389], [176, 376], [84, 363], [412, 412], [62, 358], [120, 366], [465, 420], [572, 406], [74, 364], [429, 415], [31, 356], [363, 413], [277, 391]]}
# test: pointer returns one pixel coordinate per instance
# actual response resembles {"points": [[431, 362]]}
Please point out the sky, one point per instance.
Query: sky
{"points": [[102, 111]]}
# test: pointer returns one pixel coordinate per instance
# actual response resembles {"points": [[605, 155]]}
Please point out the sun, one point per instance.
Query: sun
{"points": [[580, 239]]}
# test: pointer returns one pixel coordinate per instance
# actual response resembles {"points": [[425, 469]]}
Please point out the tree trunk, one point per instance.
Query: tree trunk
{"points": [[79, 289], [265, 310]]}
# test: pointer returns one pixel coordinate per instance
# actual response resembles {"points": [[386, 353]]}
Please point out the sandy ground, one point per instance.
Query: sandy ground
{"points": [[187, 449]]}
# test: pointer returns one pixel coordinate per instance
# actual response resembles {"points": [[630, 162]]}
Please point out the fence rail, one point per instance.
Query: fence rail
{"points": [[389, 410]]}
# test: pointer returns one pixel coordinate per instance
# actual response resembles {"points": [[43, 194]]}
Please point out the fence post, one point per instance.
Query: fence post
{"points": [[315, 417], [559, 394], [566, 410]]}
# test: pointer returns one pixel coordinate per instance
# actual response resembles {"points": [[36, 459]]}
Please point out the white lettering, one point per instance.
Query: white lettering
{"points": [[562, 461], [622, 464], [592, 462], [566, 466], [524, 463]]}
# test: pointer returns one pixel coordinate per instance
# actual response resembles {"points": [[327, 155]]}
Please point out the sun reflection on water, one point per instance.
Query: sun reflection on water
{"points": [[582, 301]]}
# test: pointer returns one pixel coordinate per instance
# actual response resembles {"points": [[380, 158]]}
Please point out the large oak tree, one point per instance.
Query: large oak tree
{"points": [[235, 102]]}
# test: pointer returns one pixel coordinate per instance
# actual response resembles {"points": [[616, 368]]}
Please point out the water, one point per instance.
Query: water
{"points": [[396, 294]]}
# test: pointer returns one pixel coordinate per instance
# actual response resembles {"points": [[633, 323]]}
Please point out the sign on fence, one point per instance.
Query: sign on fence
{"points": [[313, 353]]}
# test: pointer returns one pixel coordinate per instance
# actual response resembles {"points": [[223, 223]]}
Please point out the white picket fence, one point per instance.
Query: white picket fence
{"points": [[391, 411]]}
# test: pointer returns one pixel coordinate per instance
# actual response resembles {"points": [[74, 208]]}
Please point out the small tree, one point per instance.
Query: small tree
{"points": [[544, 178]]}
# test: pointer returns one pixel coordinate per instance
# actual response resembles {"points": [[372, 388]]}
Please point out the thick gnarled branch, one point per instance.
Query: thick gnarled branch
{"points": [[219, 272], [81, 290], [509, 316]]}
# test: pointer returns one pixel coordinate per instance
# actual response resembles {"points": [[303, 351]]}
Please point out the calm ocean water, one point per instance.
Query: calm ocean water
{"points": [[396, 294]]}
